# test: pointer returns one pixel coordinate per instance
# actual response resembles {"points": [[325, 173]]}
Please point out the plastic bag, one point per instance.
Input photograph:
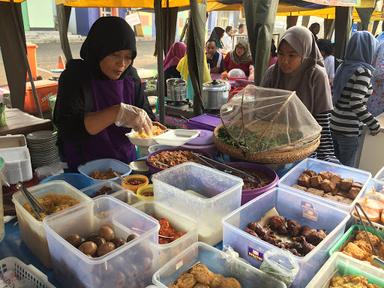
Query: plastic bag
{"points": [[261, 119]]}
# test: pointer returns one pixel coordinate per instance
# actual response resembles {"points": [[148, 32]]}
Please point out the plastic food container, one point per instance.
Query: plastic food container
{"points": [[17, 164], [77, 180], [179, 222], [134, 182], [12, 141], [113, 189], [204, 121], [129, 265], [290, 205], [23, 272], [348, 236], [249, 194], [145, 193], [202, 193], [216, 261], [380, 175], [340, 264], [31, 230], [317, 165], [103, 165]]}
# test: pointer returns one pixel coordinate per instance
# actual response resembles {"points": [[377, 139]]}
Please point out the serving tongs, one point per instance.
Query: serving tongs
{"points": [[228, 169], [376, 258], [37, 209]]}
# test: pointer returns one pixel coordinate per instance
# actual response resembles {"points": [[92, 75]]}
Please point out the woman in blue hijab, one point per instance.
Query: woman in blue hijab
{"points": [[352, 87]]}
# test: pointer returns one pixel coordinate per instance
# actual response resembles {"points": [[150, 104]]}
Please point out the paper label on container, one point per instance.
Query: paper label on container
{"points": [[309, 212], [255, 254]]}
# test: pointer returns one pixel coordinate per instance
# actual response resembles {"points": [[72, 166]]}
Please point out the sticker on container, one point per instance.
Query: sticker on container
{"points": [[179, 264], [255, 254], [309, 212]]}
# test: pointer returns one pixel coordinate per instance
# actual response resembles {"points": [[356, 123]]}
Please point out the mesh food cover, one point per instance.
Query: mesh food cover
{"points": [[261, 119]]}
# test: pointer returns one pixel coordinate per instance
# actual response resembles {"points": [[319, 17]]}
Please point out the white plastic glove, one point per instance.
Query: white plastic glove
{"points": [[133, 117]]}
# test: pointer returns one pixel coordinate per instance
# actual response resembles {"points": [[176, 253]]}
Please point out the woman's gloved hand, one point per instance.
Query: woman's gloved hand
{"points": [[133, 117]]}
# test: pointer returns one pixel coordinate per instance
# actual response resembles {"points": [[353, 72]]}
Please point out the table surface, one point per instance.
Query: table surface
{"points": [[19, 122]]}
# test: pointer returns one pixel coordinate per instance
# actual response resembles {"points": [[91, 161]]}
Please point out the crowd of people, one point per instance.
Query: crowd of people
{"points": [[341, 102]]}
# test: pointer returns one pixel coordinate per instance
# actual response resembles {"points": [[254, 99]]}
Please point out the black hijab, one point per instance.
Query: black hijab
{"points": [[216, 35], [107, 35]]}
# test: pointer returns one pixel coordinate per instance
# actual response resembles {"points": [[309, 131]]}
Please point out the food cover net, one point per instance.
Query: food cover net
{"points": [[261, 119]]}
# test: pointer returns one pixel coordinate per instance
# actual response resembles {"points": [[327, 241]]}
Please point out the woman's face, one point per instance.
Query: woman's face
{"points": [[240, 50], [288, 59], [114, 64], [210, 49]]}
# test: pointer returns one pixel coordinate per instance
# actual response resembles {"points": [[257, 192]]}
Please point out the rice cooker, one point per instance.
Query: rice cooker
{"points": [[215, 94]]}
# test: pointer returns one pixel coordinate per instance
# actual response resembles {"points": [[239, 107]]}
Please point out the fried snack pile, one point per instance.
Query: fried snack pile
{"points": [[359, 248], [102, 175], [350, 281], [166, 159], [199, 276], [329, 185], [170, 233], [156, 130]]}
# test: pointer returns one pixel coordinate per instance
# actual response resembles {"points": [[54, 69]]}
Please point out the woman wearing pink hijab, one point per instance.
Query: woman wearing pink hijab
{"points": [[175, 53]]}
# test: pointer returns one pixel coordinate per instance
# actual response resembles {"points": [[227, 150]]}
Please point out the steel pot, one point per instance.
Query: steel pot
{"points": [[176, 89], [215, 94]]}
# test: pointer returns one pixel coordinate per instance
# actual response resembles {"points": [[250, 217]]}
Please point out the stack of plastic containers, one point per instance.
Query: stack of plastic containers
{"points": [[217, 262], [14, 151], [204, 121], [345, 172], [130, 265], [31, 230], [179, 222], [202, 193], [290, 205], [342, 265]]}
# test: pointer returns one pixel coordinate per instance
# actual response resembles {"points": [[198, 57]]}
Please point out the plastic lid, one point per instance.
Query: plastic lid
{"points": [[205, 138], [176, 137], [207, 119]]}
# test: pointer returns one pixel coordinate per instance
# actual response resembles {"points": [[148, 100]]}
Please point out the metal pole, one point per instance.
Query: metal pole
{"points": [[34, 93], [160, 60]]}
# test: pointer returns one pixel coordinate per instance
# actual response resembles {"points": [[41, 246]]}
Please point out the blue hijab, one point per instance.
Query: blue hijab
{"points": [[359, 53]]}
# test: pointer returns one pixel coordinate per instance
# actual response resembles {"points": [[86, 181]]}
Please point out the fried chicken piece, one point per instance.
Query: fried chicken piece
{"points": [[346, 184], [328, 186], [217, 280], [186, 280], [202, 274], [304, 180], [364, 245], [199, 285], [230, 283], [310, 173], [315, 237], [355, 251], [325, 175], [360, 235]]}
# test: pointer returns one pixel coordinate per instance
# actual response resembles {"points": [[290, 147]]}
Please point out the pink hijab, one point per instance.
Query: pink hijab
{"points": [[175, 53]]}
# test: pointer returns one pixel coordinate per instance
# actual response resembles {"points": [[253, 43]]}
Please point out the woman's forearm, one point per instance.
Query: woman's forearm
{"points": [[95, 122]]}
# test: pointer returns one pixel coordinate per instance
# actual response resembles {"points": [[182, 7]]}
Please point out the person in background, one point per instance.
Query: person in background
{"points": [[217, 36], [326, 49], [242, 30], [300, 68], [214, 57], [352, 87], [227, 39], [174, 54], [273, 58], [315, 29], [375, 103], [240, 58], [100, 97]]}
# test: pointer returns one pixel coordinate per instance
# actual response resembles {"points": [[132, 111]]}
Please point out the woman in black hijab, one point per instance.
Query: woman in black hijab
{"points": [[216, 35], [100, 97]]}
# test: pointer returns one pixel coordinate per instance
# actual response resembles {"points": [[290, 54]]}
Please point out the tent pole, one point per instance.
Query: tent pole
{"points": [[343, 27], [160, 60], [20, 30], [63, 14]]}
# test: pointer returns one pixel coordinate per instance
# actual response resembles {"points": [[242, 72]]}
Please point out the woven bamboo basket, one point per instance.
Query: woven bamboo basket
{"points": [[284, 155]]}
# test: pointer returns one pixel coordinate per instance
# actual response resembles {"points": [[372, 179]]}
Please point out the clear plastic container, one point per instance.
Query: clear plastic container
{"points": [[31, 230], [179, 222], [12, 141], [114, 190], [26, 274], [202, 193], [216, 261], [341, 264], [380, 175], [130, 265], [17, 164], [291, 177], [290, 205]]}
